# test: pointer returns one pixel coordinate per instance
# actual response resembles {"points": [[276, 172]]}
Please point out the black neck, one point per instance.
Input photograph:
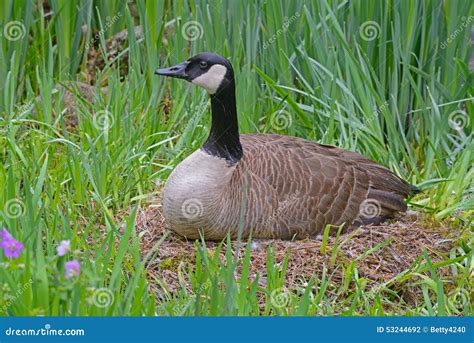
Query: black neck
{"points": [[223, 140]]}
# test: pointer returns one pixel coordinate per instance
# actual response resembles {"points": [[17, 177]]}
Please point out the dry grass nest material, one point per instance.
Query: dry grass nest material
{"points": [[408, 236]]}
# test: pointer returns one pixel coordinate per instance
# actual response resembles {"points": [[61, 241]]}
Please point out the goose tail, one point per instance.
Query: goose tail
{"points": [[414, 190]]}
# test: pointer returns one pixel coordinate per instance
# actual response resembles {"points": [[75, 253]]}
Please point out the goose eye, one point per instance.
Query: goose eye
{"points": [[203, 64]]}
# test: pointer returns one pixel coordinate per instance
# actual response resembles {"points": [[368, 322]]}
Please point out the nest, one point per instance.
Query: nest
{"points": [[380, 253]]}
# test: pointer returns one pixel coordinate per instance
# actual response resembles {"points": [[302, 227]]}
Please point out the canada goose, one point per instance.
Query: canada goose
{"points": [[273, 186]]}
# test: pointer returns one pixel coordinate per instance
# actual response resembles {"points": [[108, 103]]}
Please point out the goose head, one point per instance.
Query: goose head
{"points": [[207, 70], [215, 74]]}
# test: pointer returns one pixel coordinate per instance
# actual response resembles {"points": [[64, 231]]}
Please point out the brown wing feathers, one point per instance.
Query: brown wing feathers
{"points": [[325, 184]]}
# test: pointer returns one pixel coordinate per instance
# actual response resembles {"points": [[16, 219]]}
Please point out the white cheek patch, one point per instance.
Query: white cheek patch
{"points": [[212, 79]]}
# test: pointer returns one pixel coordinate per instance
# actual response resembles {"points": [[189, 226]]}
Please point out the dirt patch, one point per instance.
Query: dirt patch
{"points": [[380, 253]]}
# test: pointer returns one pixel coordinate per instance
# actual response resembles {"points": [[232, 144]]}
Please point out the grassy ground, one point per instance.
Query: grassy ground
{"points": [[390, 80]]}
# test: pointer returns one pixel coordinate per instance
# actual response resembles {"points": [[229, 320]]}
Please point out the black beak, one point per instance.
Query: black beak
{"points": [[178, 71]]}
